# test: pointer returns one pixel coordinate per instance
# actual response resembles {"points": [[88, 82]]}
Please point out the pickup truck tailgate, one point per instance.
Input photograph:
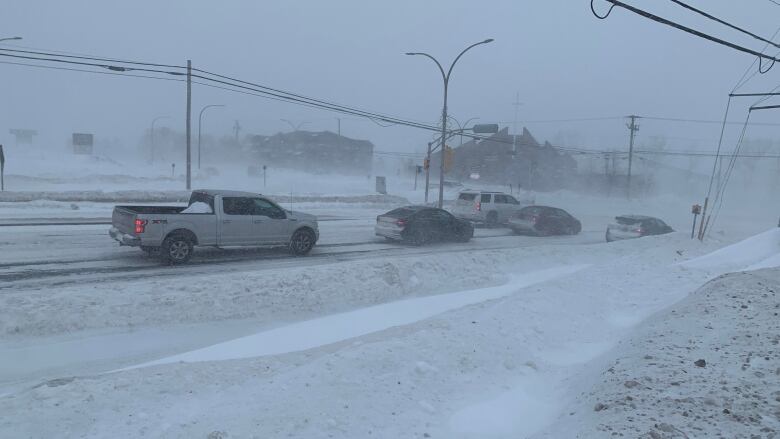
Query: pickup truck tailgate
{"points": [[123, 220]]}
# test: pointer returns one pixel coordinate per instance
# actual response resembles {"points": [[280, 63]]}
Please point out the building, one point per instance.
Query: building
{"points": [[315, 152], [505, 159]]}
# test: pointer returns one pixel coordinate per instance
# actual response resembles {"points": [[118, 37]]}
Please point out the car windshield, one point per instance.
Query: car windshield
{"points": [[628, 221], [401, 212], [430, 219]]}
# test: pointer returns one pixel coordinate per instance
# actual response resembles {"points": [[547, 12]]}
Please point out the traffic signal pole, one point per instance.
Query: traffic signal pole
{"points": [[427, 171], [189, 125]]}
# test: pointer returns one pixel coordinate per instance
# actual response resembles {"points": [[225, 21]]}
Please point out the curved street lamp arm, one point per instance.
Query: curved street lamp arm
{"points": [[447, 77], [209, 106], [441, 69]]}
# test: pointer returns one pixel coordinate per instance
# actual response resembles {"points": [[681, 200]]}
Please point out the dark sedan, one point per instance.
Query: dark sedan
{"points": [[636, 226], [544, 221], [420, 225]]}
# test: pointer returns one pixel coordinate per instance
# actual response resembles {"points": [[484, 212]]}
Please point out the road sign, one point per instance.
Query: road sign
{"points": [[485, 128], [82, 143], [23, 136]]}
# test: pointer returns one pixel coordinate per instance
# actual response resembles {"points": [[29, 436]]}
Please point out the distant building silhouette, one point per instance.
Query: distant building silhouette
{"points": [[533, 166], [315, 152]]}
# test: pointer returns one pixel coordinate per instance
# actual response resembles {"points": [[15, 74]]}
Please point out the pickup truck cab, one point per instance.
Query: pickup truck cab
{"points": [[213, 218]]}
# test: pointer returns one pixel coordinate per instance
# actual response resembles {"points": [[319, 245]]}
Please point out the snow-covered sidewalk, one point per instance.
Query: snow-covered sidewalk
{"points": [[707, 367]]}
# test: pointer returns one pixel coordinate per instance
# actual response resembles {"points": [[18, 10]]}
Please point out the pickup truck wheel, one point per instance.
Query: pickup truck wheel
{"points": [[176, 249], [301, 242]]}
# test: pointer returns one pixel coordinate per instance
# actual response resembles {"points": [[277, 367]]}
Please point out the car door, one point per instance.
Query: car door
{"points": [[236, 225], [270, 222], [499, 201], [443, 224], [512, 206], [424, 221]]}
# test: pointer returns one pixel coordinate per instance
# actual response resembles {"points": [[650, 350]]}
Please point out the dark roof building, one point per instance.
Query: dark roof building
{"points": [[532, 165], [316, 152]]}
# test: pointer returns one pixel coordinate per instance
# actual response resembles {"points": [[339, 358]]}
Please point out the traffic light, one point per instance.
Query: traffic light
{"points": [[426, 164]]}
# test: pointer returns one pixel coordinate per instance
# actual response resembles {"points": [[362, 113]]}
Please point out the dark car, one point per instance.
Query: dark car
{"points": [[544, 221], [636, 226], [420, 225]]}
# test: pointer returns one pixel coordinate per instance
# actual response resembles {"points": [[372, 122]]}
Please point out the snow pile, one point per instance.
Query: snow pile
{"points": [[338, 327], [759, 251], [707, 367], [198, 207], [289, 292]]}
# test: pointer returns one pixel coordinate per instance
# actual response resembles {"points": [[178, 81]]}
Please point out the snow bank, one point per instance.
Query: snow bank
{"points": [[284, 293], [759, 251], [706, 367], [338, 327]]}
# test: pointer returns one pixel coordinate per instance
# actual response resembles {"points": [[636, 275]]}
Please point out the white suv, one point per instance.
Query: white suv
{"points": [[490, 208]]}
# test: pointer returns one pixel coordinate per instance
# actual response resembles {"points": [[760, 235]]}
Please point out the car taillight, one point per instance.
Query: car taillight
{"points": [[400, 222], [479, 206], [140, 226]]}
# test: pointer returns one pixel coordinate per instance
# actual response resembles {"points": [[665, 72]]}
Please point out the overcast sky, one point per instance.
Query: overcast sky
{"points": [[563, 62]]}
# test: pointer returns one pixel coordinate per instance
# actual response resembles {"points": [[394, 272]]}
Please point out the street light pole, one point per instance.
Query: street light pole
{"points": [[446, 78], [200, 121], [10, 39], [461, 128], [151, 158]]}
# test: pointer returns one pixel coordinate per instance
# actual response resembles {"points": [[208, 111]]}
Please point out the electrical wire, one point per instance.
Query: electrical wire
{"points": [[725, 23], [90, 58], [93, 71], [689, 30]]}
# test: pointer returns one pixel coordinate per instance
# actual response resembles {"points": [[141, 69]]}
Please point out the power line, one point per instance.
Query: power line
{"points": [[725, 23], [92, 71], [81, 63], [91, 58], [689, 30], [276, 90]]}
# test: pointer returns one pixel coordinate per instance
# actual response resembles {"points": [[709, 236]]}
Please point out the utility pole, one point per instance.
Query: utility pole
{"points": [[2, 169], [339, 126], [633, 127], [517, 105], [236, 129], [427, 171], [189, 124]]}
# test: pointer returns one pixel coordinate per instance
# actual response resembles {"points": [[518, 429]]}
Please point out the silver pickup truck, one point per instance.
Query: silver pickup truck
{"points": [[213, 218]]}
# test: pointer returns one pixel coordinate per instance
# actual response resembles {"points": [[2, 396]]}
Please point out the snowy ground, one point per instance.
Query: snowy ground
{"points": [[503, 361], [502, 337]]}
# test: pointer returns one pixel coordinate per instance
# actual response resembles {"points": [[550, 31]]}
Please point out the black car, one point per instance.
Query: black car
{"points": [[636, 226], [420, 225], [544, 221]]}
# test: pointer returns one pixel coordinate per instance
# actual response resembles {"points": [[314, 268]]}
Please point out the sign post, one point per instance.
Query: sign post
{"points": [[381, 185], [2, 169], [264, 170], [695, 210]]}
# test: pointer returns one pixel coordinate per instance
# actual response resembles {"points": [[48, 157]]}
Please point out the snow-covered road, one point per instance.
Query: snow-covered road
{"points": [[35, 257], [407, 342]]}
